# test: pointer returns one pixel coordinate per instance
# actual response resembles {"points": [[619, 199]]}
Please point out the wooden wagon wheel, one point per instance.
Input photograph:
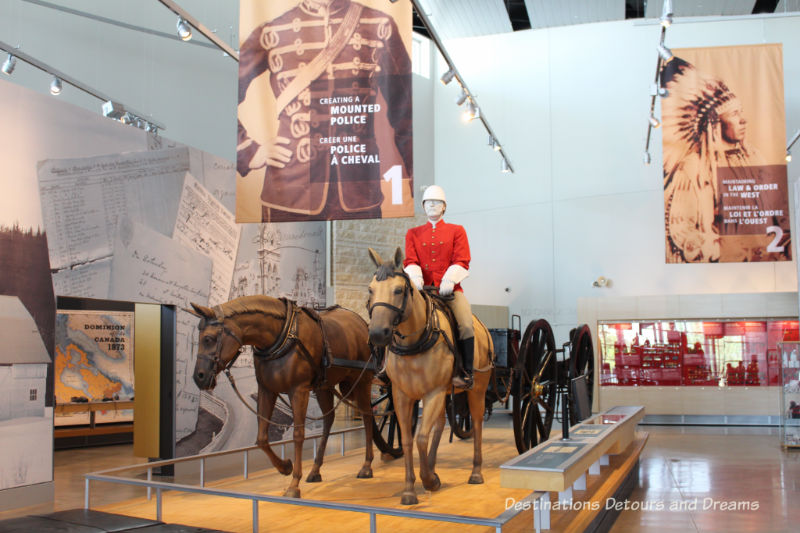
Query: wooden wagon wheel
{"points": [[385, 428], [535, 384], [581, 362]]}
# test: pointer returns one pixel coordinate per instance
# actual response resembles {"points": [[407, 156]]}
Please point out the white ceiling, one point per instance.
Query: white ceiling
{"points": [[546, 13], [454, 19]]}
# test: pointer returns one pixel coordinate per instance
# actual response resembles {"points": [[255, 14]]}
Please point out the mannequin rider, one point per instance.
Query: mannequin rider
{"points": [[437, 254]]}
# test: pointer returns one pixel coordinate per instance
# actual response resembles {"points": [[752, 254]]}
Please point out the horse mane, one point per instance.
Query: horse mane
{"points": [[386, 270], [255, 304]]}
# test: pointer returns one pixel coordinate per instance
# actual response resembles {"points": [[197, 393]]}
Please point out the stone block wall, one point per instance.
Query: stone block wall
{"points": [[352, 268]]}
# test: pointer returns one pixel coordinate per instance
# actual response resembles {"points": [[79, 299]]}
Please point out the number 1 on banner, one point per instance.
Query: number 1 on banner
{"points": [[395, 175]]}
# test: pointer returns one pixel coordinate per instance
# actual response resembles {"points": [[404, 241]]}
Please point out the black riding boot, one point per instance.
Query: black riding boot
{"points": [[467, 348]]}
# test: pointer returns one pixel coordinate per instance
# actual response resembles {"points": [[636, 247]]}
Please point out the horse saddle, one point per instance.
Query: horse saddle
{"points": [[440, 304]]}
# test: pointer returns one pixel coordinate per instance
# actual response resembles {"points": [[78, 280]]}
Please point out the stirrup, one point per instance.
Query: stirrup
{"points": [[462, 381]]}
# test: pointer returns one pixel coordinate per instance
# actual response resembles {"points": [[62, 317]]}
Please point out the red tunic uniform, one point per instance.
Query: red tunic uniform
{"points": [[435, 249]]}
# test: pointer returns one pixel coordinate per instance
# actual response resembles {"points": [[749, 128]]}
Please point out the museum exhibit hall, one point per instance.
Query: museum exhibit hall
{"points": [[475, 265]]}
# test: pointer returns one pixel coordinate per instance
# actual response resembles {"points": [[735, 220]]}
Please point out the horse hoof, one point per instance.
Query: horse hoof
{"points": [[365, 473], [409, 499], [285, 467], [292, 492], [314, 478], [475, 479], [434, 485]]}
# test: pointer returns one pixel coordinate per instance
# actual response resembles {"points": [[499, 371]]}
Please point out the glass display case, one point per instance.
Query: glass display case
{"points": [[790, 394], [717, 353]]}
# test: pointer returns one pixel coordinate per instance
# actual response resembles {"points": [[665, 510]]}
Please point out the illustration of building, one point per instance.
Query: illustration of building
{"points": [[23, 362]]}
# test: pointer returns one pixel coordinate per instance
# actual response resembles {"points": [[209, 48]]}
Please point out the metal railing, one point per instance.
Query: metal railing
{"points": [[110, 476]]}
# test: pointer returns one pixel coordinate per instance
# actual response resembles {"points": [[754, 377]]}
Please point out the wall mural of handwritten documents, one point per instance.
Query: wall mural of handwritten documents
{"points": [[129, 216], [35, 127]]}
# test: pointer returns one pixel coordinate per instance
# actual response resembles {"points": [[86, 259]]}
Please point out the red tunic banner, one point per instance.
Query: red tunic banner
{"points": [[324, 110], [724, 138]]}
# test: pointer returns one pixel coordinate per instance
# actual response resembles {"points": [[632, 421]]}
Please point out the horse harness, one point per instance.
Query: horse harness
{"points": [[216, 360], [431, 331], [289, 340]]}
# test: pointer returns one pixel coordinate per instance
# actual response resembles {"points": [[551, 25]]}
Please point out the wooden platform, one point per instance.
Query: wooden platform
{"points": [[340, 485]]}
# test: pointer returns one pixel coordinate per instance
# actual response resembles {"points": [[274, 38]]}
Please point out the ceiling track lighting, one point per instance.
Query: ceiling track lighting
{"points": [[664, 56], [55, 86], [110, 108], [471, 111], [184, 29], [187, 24], [665, 53], [9, 64], [666, 14], [447, 77]]}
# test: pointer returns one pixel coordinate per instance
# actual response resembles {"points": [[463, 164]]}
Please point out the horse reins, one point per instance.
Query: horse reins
{"points": [[429, 333], [286, 340], [216, 360]]}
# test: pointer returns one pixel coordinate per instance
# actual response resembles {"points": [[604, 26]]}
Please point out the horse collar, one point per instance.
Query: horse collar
{"points": [[430, 333], [285, 338]]}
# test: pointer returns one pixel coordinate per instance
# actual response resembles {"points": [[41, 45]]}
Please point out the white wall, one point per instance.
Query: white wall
{"points": [[570, 106]]}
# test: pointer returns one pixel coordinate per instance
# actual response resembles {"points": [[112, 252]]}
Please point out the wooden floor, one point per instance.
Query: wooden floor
{"points": [[340, 485]]}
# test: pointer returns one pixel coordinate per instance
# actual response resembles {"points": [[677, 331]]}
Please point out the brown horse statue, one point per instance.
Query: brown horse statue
{"points": [[290, 345], [419, 363]]}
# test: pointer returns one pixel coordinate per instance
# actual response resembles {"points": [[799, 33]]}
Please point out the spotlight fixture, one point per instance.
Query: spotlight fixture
{"points": [[665, 53], [113, 110], [9, 64], [602, 281], [654, 122], [184, 29], [55, 86], [471, 111], [788, 156], [646, 158], [504, 168], [666, 14], [447, 77], [461, 97]]}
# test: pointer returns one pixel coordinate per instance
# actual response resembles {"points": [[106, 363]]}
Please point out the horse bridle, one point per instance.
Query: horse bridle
{"points": [[216, 360], [399, 311]]}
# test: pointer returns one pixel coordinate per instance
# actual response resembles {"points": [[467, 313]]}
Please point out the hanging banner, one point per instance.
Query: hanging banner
{"points": [[324, 110], [724, 138]]}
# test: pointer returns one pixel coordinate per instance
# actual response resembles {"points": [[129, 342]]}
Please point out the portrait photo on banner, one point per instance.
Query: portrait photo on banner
{"points": [[724, 136], [325, 129]]}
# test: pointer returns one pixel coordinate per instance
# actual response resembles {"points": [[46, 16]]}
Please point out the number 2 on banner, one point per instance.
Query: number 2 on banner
{"points": [[773, 246], [395, 175]]}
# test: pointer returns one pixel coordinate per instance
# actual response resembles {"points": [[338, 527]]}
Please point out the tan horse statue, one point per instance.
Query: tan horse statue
{"points": [[290, 343], [419, 362]]}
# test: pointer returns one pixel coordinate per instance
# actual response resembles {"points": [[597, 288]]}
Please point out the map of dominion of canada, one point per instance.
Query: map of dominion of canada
{"points": [[94, 356]]}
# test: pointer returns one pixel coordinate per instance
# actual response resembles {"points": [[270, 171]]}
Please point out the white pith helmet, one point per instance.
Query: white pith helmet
{"points": [[434, 192]]}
